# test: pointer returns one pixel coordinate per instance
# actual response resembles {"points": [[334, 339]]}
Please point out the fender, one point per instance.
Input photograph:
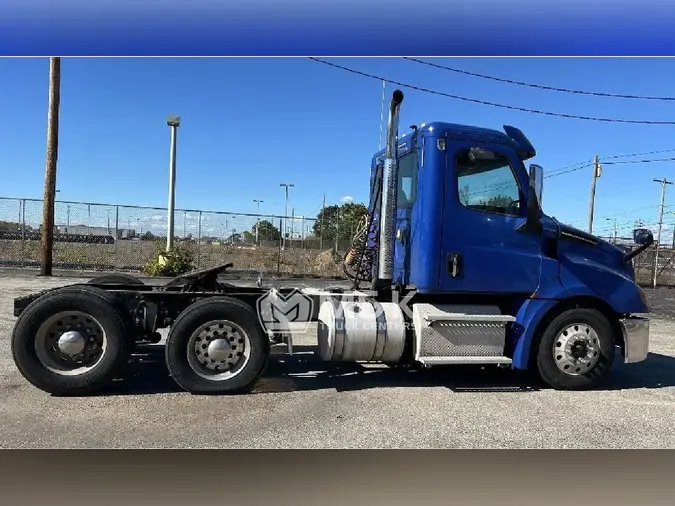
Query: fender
{"points": [[528, 317]]}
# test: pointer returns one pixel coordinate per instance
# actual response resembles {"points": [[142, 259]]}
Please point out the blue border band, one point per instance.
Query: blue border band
{"points": [[332, 28]]}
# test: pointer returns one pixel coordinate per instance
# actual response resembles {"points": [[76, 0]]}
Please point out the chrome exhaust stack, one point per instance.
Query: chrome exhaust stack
{"points": [[387, 232]]}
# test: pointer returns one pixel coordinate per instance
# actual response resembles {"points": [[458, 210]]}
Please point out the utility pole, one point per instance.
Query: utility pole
{"points": [[384, 88], [597, 171], [663, 182], [257, 219], [174, 123], [50, 166], [285, 227]]}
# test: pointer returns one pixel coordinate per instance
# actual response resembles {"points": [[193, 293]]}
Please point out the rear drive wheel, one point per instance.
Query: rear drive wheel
{"points": [[216, 346], [71, 341], [576, 350]]}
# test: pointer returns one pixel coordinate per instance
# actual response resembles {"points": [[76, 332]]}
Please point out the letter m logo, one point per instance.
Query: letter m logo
{"points": [[277, 311]]}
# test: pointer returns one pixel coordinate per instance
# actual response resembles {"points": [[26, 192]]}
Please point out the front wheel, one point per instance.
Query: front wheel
{"points": [[216, 346], [576, 350]]}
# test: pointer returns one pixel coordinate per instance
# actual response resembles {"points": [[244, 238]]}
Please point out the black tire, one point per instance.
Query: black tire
{"points": [[546, 365], [115, 279], [201, 313], [91, 301]]}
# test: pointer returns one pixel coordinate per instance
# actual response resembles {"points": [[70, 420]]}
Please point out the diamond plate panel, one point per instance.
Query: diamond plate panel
{"points": [[457, 338]]}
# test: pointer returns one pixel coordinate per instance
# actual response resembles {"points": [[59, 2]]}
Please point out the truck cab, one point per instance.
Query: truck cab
{"points": [[470, 221], [470, 230]]}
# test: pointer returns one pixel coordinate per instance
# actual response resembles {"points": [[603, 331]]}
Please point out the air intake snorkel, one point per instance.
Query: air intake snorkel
{"points": [[387, 229]]}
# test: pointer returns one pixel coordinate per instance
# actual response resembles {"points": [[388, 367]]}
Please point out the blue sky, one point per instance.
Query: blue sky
{"points": [[250, 124]]}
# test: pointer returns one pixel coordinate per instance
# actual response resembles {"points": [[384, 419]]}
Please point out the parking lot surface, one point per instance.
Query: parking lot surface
{"points": [[302, 402]]}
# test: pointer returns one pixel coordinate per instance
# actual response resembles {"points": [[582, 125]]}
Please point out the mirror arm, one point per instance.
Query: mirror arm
{"points": [[533, 220], [629, 256]]}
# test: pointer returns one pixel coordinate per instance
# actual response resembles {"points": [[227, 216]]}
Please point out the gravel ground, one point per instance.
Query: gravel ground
{"points": [[304, 403]]}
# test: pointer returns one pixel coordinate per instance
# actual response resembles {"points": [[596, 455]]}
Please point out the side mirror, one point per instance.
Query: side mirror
{"points": [[643, 236], [537, 181]]}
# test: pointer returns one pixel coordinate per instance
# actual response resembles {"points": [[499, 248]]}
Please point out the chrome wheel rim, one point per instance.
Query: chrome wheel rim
{"points": [[576, 349], [70, 343], [218, 350]]}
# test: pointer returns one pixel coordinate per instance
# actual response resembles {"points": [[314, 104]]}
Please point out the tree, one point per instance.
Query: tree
{"points": [[341, 220], [10, 226], [498, 201], [266, 231], [464, 195]]}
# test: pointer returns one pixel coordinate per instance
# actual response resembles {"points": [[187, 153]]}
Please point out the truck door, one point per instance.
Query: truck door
{"points": [[485, 248]]}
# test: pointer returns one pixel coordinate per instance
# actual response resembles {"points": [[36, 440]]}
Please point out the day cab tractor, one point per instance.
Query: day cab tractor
{"points": [[460, 266]]}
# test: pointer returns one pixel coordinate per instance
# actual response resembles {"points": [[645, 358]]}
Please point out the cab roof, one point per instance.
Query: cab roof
{"points": [[511, 136]]}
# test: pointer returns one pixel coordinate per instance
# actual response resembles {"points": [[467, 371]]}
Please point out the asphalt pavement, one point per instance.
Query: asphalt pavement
{"points": [[302, 402]]}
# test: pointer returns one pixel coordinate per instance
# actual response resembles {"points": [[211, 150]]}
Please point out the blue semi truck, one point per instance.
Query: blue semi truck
{"points": [[456, 263]]}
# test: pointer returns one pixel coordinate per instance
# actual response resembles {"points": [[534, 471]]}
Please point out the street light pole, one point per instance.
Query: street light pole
{"points": [[257, 219], [174, 123], [285, 227]]}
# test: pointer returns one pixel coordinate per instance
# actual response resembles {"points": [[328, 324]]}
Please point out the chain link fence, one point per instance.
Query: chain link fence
{"points": [[90, 236], [647, 262], [664, 264]]}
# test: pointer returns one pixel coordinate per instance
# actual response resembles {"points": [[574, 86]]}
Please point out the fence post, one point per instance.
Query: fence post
{"points": [[117, 233], [302, 232], [19, 228], [23, 233], [337, 228], [199, 240], [279, 252]]}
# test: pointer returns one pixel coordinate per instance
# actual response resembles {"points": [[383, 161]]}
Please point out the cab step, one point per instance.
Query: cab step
{"points": [[460, 334]]}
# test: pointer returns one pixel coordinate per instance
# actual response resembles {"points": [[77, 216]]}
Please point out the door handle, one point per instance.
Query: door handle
{"points": [[454, 264]]}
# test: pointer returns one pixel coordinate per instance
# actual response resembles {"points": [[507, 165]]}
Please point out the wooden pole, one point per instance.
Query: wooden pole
{"points": [[50, 169]]}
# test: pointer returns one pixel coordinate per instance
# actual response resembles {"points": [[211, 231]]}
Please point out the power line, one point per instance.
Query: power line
{"points": [[562, 172], [653, 160], [493, 104], [540, 86], [613, 157]]}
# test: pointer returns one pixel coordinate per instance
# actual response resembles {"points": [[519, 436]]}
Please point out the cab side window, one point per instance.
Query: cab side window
{"points": [[486, 182], [407, 180]]}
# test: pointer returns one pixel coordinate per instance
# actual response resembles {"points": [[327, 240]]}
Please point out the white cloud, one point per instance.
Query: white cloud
{"points": [[347, 199]]}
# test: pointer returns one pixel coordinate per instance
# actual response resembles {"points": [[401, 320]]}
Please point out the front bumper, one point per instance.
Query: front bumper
{"points": [[635, 332]]}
